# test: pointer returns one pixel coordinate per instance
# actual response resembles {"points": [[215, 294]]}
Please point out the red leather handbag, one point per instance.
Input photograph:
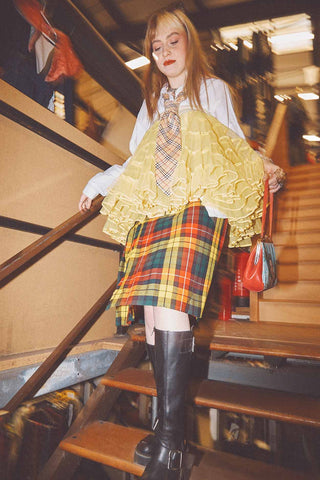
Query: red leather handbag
{"points": [[260, 272]]}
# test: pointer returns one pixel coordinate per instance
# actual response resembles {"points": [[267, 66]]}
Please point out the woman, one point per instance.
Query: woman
{"points": [[190, 171]]}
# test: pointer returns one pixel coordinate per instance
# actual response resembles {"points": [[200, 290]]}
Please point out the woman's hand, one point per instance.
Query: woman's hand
{"points": [[85, 203], [275, 174]]}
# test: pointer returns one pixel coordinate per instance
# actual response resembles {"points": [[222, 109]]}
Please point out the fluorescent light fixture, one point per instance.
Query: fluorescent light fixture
{"points": [[291, 42], [311, 138], [286, 34], [282, 98], [308, 96], [137, 62], [233, 46], [291, 37]]}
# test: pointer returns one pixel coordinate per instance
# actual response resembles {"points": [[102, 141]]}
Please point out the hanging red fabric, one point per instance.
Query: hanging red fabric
{"points": [[31, 10], [65, 62]]}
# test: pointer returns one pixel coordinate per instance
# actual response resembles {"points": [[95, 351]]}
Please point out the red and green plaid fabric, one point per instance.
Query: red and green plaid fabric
{"points": [[169, 262]]}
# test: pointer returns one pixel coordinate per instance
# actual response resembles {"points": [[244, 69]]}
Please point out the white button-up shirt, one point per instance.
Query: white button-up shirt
{"points": [[215, 99]]}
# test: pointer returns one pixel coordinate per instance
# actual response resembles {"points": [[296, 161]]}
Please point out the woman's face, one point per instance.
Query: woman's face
{"points": [[169, 50]]}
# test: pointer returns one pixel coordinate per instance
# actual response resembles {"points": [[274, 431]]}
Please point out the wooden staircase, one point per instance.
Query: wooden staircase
{"points": [[289, 327], [296, 298], [114, 445], [286, 324]]}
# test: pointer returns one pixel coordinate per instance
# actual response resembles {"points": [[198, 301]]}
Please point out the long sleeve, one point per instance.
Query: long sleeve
{"points": [[102, 181], [220, 105]]}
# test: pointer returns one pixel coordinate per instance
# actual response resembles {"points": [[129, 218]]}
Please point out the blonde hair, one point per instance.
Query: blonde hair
{"points": [[196, 61]]}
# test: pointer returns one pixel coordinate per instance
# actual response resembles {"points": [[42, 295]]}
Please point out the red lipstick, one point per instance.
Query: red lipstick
{"points": [[168, 62]]}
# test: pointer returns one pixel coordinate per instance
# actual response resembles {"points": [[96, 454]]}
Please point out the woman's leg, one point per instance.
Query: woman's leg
{"points": [[145, 447], [170, 320], [173, 351]]}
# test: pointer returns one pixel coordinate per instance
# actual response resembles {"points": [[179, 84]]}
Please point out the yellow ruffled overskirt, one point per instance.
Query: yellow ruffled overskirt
{"points": [[215, 166]]}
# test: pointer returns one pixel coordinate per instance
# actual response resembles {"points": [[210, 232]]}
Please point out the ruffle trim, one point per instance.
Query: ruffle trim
{"points": [[215, 166]]}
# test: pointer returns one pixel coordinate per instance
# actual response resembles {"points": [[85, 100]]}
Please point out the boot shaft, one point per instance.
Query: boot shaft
{"points": [[173, 353]]}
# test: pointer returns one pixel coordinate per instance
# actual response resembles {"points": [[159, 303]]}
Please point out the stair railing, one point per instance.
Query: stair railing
{"points": [[13, 266]]}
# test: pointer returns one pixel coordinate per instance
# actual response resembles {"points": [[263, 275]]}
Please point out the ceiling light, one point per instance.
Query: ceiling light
{"points": [[292, 42], [233, 46], [282, 98], [137, 62], [311, 138], [291, 37], [308, 96], [247, 44]]}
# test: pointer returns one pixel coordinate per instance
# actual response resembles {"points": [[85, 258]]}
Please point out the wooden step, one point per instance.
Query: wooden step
{"points": [[309, 291], [295, 201], [306, 169], [300, 194], [303, 211], [303, 182], [224, 466], [108, 444], [297, 253], [114, 445], [298, 224], [293, 312], [260, 402], [262, 338], [297, 238], [296, 272]]}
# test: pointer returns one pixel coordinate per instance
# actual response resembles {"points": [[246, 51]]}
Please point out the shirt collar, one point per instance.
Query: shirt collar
{"points": [[165, 88]]}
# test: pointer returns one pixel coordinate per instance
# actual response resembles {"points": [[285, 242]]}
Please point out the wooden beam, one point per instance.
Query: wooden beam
{"points": [[101, 61], [22, 226], [200, 5], [38, 128], [28, 254], [114, 12], [244, 12], [37, 380], [63, 464]]}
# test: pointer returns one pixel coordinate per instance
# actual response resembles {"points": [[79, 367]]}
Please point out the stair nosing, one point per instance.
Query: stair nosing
{"points": [[291, 301], [221, 404]]}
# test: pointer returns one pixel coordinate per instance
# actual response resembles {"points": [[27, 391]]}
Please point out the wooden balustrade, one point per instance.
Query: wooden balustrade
{"points": [[12, 266], [46, 369]]}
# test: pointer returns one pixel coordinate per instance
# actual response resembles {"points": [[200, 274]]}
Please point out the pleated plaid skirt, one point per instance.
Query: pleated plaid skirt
{"points": [[169, 262]]}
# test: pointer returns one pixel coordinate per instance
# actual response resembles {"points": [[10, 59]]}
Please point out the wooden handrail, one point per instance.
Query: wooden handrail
{"points": [[274, 130], [27, 254], [37, 380]]}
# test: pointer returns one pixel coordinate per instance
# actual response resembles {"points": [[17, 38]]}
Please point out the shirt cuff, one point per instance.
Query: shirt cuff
{"points": [[90, 191]]}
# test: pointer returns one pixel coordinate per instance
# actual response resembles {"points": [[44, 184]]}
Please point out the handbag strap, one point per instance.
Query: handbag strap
{"points": [[266, 205]]}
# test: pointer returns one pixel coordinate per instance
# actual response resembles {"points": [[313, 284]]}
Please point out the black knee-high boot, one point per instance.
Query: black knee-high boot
{"points": [[173, 352], [145, 447]]}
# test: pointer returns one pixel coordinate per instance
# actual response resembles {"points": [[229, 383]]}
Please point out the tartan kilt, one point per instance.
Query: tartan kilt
{"points": [[169, 262]]}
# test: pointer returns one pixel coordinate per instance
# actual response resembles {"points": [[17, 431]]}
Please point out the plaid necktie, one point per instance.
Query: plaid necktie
{"points": [[168, 145]]}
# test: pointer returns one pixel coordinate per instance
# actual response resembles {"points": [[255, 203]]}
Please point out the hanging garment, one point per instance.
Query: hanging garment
{"points": [[65, 62]]}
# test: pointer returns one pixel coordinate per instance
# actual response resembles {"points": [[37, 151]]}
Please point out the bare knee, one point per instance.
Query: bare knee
{"points": [[171, 320]]}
